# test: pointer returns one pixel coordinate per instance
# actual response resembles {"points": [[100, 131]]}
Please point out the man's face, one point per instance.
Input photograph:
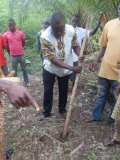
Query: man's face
{"points": [[12, 26], [118, 11], [74, 22], [46, 25], [58, 29]]}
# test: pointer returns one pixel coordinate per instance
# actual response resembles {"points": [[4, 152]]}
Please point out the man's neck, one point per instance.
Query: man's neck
{"points": [[13, 31]]}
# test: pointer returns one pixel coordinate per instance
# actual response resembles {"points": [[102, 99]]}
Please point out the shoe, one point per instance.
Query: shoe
{"points": [[111, 143], [63, 114], [9, 153], [110, 121], [93, 120], [43, 116], [27, 84]]}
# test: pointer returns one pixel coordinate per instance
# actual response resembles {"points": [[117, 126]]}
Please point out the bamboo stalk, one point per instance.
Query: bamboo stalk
{"points": [[68, 117]]}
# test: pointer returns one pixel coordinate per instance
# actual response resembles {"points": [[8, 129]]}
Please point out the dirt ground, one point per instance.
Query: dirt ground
{"points": [[32, 139]]}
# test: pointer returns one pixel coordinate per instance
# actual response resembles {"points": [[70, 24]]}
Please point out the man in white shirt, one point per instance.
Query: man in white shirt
{"points": [[57, 43], [80, 34]]}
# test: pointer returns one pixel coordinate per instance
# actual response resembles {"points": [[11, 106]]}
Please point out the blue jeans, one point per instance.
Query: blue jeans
{"points": [[20, 60], [103, 92]]}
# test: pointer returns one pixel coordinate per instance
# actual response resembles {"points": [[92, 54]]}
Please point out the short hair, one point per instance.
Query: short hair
{"points": [[11, 20], [57, 17], [47, 21]]}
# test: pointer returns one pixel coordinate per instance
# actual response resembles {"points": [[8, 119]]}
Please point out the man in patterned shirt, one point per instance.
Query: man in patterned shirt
{"points": [[57, 42]]}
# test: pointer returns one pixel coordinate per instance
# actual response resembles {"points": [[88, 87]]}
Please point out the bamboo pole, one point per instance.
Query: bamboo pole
{"points": [[67, 121]]}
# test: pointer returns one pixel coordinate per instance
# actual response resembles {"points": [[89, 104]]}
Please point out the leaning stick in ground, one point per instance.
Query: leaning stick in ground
{"points": [[76, 150], [67, 121]]}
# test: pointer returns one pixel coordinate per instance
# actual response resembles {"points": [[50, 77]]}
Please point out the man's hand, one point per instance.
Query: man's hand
{"points": [[118, 89], [77, 69], [20, 97], [81, 59], [93, 67]]}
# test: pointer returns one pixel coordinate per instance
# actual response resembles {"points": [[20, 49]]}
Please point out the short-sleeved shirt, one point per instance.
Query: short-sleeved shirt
{"points": [[15, 42], [80, 34], [60, 49], [3, 60], [110, 39]]}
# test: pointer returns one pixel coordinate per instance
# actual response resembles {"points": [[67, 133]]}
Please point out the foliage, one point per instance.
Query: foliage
{"points": [[30, 14]]}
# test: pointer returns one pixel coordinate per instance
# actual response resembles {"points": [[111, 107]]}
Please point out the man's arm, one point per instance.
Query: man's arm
{"points": [[18, 95], [6, 44], [94, 66], [7, 47], [23, 39], [97, 26], [61, 64], [95, 29], [103, 43], [75, 45], [101, 54], [76, 50], [48, 51]]}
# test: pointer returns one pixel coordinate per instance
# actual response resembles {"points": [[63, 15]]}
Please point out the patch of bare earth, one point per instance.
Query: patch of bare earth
{"points": [[32, 139]]}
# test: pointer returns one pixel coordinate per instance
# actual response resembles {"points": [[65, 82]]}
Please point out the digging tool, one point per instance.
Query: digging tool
{"points": [[68, 116]]}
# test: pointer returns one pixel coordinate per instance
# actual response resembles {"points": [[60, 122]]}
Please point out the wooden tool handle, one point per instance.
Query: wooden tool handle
{"points": [[67, 121]]}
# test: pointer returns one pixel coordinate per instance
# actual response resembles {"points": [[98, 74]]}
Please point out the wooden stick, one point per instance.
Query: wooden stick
{"points": [[67, 121], [117, 105], [76, 149]]}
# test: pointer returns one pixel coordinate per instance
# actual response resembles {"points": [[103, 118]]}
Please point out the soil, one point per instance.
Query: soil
{"points": [[33, 139]]}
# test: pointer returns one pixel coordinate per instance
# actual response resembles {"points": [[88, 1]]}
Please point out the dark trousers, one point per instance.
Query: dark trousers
{"points": [[104, 86], [5, 70], [73, 75], [48, 80], [20, 60]]}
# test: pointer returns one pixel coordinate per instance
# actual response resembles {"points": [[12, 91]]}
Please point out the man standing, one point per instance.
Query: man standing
{"points": [[109, 57], [15, 42], [80, 34], [46, 24], [57, 43]]}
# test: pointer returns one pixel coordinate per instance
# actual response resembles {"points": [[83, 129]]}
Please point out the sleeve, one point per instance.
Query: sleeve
{"points": [[47, 49], [74, 41], [104, 37], [88, 32]]}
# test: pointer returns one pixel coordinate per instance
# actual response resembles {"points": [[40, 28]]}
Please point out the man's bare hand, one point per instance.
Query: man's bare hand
{"points": [[20, 97], [77, 69], [118, 89], [93, 67]]}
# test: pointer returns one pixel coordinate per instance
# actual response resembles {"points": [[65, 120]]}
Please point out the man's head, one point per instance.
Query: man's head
{"points": [[118, 10], [12, 25], [58, 24], [75, 21], [47, 23]]}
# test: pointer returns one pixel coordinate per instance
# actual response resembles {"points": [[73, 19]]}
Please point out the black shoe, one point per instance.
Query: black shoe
{"points": [[93, 120], [112, 143], [111, 120], [9, 153], [43, 116], [63, 114], [62, 111]]}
